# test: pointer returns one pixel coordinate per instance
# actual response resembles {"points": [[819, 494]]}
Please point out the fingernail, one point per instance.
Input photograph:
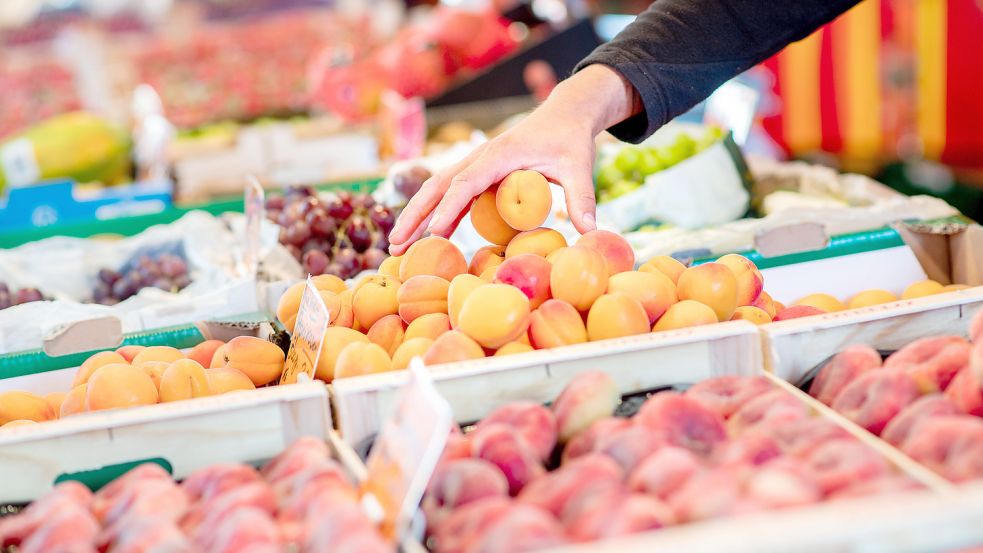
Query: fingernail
{"points": [[396, 227], [433, 222], [589, 221]]}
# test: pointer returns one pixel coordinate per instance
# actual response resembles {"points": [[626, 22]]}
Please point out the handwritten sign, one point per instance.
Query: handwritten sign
{"points": [[305, 342], [405, 453], [255, 208]]}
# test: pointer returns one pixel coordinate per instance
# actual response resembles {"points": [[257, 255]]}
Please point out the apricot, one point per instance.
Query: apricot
{"points": [[218, 358], [388, 333], [615, 315], [922, 288], [55, 399], [420, 295], [653, 290], [711, 284], [494, 315], [335, 339], [154, 369], [260, 360], [556, 323], [751, 314], [203, 352], [615, 249], [90, 365], [118, 385], [489, 275], [359, 359], [164, 354], [685, 314], [766, 304], [16, 405], [390, 266], [433, 256], [18, 422], [452, 346], [129, 352], [487, 221], [289, 304], [669, 266], [431, 325], [512, 348], [74, 402], [460, 288], [750, 281], [222, 380], [825, 302], [414, 347], [530, 274], [540, 241], [183, 379], [485, 258], [345, 315], [797, 312], [375, 300], [779, 306], [955, 287], [871, 297], [524, 200], [579, 276], [329, 283]]}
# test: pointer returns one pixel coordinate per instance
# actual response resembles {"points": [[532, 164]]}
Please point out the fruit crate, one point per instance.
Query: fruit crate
{"points": [[474, 388]]}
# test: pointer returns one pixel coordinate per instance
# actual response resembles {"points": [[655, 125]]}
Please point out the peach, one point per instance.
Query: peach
{"points": [[933, 362], [629, 446], [375, 300], [615, 315], [55, 399], [431, 326], [826, 302], [414, 347], [653, 290], [685, 314], [579, 277], [540, 241], [901, 426], [218, 358], [261, 360], [766, 304], [552, 491], [523, 200], [628, 515], [726, 394], [74, 402], [519, 528], [922, 288], [119, 385], [530, 274], [586, 399], [751, 449], [875, 397], [16, 405], [433, 256], [751, 314], [768, 411], [682, 421], [335, 339], [388, 332], [556, 323], [530, 420], [420, 295], [165, 354], [222, 380], [452, 346], [664, 471], [203, 352], [329, 283], [154, 369], [460, 288], [711, 284], [129, 352], [463, 481], [390, 266], [668, 266], [796, 312], [513, 348], [871, 297], [90, 365], [783, 483], [838, 463], [183, 379], [750, 282], [583, 443], [502, 446], [486, 220], [486, 258], [616, 250], [494, 315], [468, 523], [845, 367], [359, 359]]}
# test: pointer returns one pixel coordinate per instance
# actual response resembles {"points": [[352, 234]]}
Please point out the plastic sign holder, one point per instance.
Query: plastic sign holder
{"points": [[307, 337]]}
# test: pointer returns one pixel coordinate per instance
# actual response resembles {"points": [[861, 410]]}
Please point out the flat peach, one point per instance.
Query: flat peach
{"points": [[375, 300], [431, 325], [359, 359], [335, 339], [523, 200], [487, 221], [615, 315], [494, 315], [388, 332], [751, 314], [119, 385], [556, 323], [922, 288], [615, 249], [95, 361], [685, 314], [750, 282], [457, 292], [530, 274], [579, 276], [434, 256], [420, 295], [158, 353], [540, 241], [654, 290], [512, 348], [414, 347], [452, 346], [825, 302], [486, 258], [711, 284], [669, 266]]}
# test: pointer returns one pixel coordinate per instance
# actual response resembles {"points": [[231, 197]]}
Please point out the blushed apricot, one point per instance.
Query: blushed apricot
{"points": [[203, 352], [55, 399], [74, 402], [556, 323], [452, 346], [751, 314], [615, 315], [486, 258], [390, 266], [414, 347], [669, 266], [431, 325], [359, 359], [388, 332], [524, 200], [129, 352], [616, 250], [579, 276], [17, 405], [711, 284], [494, 315], [530, 274], [375, 300], [825, 302], [218, 358], [750, 282], [154, 369], [488, 222], [420, 295], [513, 348], [335, 339], [685, 314], [164, 354], [766, 304], [434, 256], [540, 241], [457, 292], [260, 360], [654, 290], [183, 379], [222, 380], [90, 365]]}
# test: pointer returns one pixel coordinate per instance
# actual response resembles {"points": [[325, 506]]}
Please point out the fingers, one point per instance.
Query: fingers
{"points": [[400, 249], [578, 187], [469, 182]]}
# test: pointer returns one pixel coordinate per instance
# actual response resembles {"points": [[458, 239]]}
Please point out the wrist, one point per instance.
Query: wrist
{"points": [[597, 95]]}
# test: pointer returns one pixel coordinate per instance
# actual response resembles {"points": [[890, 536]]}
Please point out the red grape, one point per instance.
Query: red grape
{"points": [[359, 234], [347, 259], [275, 202], [373, 258], [383, 218], [315, 262], [294, 251], [296, 234], [362, 202], [339, 210], [321, 224]]}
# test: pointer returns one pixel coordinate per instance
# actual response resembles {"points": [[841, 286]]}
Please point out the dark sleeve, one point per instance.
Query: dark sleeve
{"points": [[679, 51]]}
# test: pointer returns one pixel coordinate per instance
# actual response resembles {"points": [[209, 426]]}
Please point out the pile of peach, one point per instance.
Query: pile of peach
{"points": [[137, 375], [727, 446], [926, 398], [300, 501], [825, 303], [528, 291]]}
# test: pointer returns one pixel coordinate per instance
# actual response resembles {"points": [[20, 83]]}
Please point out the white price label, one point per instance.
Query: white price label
{"points": [[308, 335]]}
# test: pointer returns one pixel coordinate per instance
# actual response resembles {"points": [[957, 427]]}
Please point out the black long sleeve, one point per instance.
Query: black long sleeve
{"points": [[679, 51]]}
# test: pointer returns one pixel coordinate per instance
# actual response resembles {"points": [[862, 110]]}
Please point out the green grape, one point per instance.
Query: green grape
{"points": [[627, 159], [623, 187], [604, 196], [650, 162], [709, 138], [607, 176]]}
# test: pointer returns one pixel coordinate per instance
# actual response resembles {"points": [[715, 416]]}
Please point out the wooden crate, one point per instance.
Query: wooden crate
{"points": [[793, 348], [474, 388]]}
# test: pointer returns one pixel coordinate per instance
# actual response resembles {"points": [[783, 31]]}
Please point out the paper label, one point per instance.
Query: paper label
{"points": [[305, 343], [405, 454], [19, 163], [255, 208]]}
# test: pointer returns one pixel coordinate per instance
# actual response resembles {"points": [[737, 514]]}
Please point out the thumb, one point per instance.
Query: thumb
{"points": [[579, 190]]}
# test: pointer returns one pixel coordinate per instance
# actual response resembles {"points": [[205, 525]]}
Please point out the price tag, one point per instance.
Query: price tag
{"points": [[255, 208], [305, 343], [405, 454]]}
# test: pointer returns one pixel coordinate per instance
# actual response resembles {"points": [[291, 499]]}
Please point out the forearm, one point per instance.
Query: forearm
{"points": [[598, 96]]}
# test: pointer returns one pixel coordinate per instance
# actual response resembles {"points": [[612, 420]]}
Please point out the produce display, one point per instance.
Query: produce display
{"points": [[926, 398], [825, 303], [10, 297], [528, 477], [35, 92], [341, 236], [166, 271], [302, 500]]}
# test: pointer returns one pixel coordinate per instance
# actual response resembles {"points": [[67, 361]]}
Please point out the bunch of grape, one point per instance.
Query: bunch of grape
{"points": [[340, 236], [165, 271], [625, 171], [10, 298]]}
